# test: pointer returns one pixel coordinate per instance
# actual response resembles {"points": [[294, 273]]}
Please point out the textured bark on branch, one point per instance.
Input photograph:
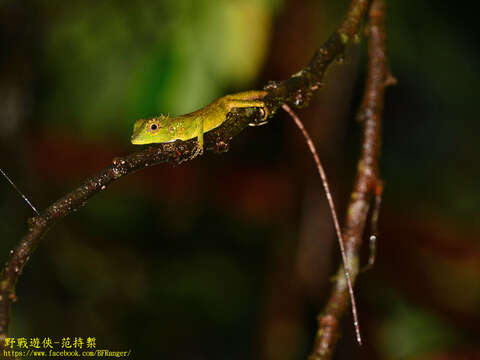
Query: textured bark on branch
{"points": [[367, 183], [296, 90]]}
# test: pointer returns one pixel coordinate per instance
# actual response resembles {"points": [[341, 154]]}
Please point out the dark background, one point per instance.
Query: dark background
{"points": [[230, 256]]}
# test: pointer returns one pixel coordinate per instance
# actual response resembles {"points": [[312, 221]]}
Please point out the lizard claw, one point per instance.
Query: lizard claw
{"points": [[257, 124], [198, 151], [264, 118]]}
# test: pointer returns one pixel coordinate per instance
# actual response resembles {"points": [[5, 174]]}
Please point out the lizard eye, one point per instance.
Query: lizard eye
{"points": [[154, 127]]}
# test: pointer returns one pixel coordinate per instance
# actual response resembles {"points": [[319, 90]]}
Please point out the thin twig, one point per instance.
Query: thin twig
{"points": [[296, 90], [377, 202], [331, 204], [366, 180], [19, 192]]}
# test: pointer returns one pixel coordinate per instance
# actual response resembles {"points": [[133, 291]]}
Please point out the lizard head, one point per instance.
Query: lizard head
{"points": [[155, 130]]}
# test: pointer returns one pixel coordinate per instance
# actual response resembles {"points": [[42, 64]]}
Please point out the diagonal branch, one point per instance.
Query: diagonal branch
{"points": [[367, 181], [296, 90]]}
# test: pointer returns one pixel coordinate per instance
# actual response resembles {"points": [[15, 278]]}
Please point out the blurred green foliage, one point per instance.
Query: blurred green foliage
{"points": [[148, 57]]}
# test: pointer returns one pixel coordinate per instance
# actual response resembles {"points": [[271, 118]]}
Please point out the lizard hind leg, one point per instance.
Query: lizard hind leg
{"points": [[250, 103]]}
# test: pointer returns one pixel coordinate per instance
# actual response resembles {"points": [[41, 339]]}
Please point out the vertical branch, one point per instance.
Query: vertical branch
{"points": [[366, 182]]}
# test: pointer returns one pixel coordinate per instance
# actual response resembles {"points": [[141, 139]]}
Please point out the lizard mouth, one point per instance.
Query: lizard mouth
{"points": [[137, 129], [135, 141]]}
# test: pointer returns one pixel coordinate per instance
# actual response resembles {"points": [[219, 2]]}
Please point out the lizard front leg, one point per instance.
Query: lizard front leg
{"points": [[200, 131]]}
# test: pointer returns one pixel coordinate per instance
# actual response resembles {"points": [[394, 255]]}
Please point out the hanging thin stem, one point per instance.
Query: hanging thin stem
{"points": [[331, 204]]}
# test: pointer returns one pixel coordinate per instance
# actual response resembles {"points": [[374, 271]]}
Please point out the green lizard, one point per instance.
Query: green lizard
{"points": [[163, 128]]}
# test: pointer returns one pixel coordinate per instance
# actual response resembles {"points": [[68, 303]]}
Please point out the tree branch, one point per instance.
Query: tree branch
{"points": [[367, 181], [296, 90]]}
